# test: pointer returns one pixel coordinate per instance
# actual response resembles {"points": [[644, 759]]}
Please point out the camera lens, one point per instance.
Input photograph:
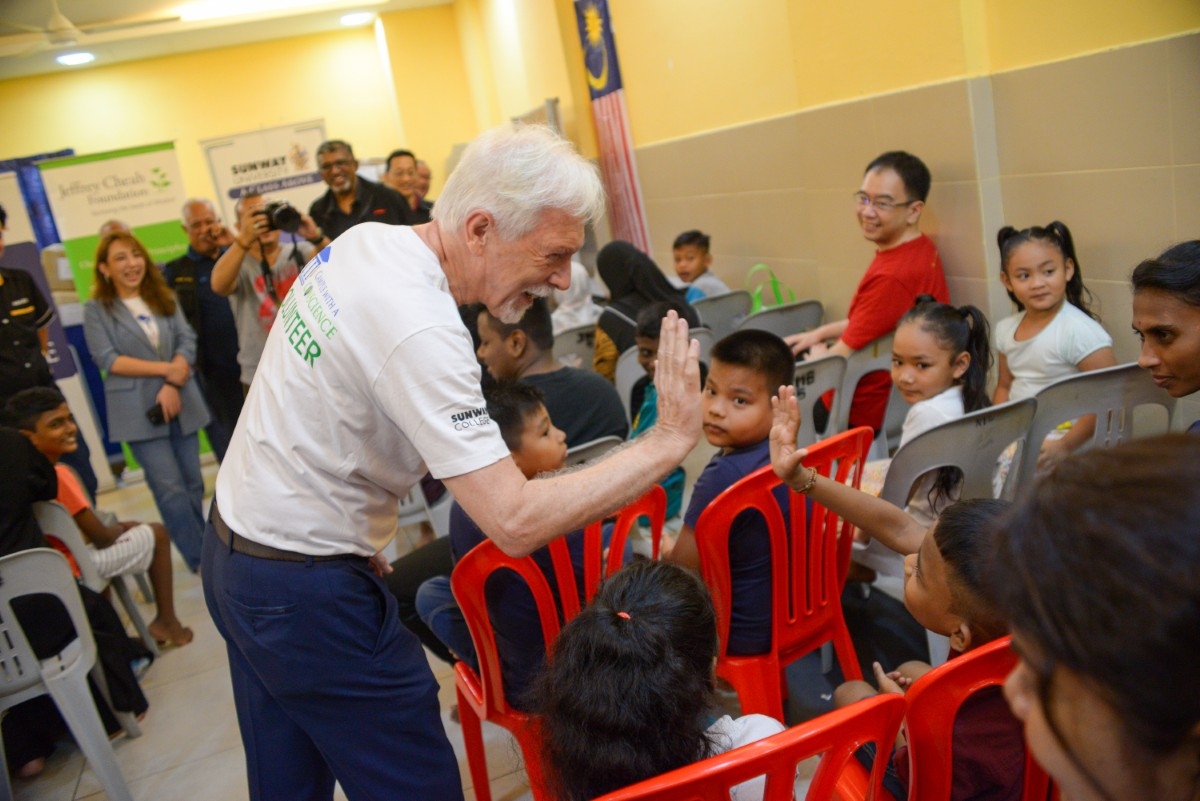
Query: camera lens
{"points": [[283, 216]]}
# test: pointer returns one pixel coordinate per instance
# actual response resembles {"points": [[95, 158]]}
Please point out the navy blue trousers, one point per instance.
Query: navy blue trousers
{"points": [[327, 682]]}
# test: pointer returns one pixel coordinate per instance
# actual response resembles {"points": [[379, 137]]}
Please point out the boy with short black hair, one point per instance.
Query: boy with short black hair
{"points": [[537, 447], [692, 260], [747, 368], [118, 548]]}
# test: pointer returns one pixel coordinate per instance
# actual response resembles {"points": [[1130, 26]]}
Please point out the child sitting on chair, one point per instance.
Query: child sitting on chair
{"points": [[537, 447], [118, 547], [944, 590], [628, 691], [692, 262], [746, 368]]}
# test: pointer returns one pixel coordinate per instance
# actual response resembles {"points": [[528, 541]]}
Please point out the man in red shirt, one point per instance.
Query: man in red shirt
{"points": [[906, 264]]}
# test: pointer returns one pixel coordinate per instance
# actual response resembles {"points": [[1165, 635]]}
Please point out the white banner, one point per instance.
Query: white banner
{"points": [[280, 163], [140, 186]]}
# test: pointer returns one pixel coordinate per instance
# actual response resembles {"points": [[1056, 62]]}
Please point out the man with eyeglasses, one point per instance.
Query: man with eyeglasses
{"points": [[906, 264], [209, 314], [350, 198]]}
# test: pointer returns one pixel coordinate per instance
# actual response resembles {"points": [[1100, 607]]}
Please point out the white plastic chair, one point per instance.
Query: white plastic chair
{"points": [[973, 443], [587, 451], [813, 379], [53, 518], [415, 509], [1112, 394], [62, 676], [790, 318], [723, 313], [575, 347]]}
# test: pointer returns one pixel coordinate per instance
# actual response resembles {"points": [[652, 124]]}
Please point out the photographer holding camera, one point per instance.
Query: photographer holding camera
{"points": [[257, 271]]}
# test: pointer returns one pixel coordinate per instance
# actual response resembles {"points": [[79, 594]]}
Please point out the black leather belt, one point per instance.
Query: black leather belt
{"points": [[251, 548]]}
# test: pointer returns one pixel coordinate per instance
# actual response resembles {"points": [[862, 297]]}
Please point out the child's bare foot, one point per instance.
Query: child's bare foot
{"points": [[173, 633], [31, 768]]}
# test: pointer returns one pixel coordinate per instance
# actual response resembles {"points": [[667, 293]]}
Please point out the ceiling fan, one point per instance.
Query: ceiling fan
{"points": [[61, 32]]}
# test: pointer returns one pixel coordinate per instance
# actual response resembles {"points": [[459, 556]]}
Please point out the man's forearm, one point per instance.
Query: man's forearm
{"points": [[520, 516]]}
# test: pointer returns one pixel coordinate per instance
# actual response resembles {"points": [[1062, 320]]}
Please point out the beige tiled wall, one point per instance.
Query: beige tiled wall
{"points": [[1109, 143]]}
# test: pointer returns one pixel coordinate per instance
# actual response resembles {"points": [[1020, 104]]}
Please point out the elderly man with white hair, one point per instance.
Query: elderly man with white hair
{"points": [[368, 378]]}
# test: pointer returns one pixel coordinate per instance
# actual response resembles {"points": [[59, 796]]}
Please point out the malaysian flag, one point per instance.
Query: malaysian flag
{"points": [[618, 168]]}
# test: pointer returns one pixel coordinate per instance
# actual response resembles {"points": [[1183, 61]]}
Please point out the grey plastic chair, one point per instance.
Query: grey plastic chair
{"points": [[707, 338], [873, 356], [62, 676], [813, 379], [790, 318], [587, 451], [723, 313], [1112, 394], [973, 444], [575, 347], [629, 370], [53, 518]]}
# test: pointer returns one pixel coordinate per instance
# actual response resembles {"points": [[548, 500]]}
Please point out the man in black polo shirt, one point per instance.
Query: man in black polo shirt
{"points": [[211, 317], [24, 329], [351, 199]]}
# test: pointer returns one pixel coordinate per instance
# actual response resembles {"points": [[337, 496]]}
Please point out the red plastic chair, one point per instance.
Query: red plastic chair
{"points": [[807, 572], [933, 703], [481, 695], [835, 736]]}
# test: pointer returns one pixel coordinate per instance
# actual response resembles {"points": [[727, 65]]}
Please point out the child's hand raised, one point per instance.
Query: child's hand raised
{"points": [[785, 455]]}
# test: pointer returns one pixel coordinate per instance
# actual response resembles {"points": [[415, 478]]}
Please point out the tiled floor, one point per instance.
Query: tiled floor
{"points": [[190, 749]]}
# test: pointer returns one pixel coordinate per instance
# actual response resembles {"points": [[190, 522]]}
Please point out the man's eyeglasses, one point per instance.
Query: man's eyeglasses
{"points": [[884, 204], [340, 164]]}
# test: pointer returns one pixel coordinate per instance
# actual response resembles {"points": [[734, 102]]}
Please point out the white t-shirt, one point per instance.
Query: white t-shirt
{"points": [[144, 317], [732, 733], [368, 375], [924, 415], [1053, 353]]}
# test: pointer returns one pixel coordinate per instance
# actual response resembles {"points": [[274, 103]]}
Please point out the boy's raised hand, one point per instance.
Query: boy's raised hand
{"points": [[677, 382], [785, 455]]}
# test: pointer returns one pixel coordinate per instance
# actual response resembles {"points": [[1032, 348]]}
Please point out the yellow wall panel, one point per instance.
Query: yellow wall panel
{"points": [[195, 96], [696, 65], [431, 84], [1022, 33]]}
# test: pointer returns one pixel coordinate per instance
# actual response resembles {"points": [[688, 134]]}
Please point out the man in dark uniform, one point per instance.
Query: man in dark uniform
{"points": [[351, 199], [211, 317]]}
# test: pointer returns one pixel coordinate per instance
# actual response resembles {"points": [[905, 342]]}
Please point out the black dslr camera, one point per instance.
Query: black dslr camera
{"points": [[281, 216]]}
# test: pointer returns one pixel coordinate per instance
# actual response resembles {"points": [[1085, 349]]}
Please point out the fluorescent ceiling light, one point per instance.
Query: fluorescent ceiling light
{"points": [[75, 59], [357, 18]]}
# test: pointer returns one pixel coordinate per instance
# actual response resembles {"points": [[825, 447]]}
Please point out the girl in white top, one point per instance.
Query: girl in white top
{"points": [[940, 363], [628, 691], [1055, 333]]}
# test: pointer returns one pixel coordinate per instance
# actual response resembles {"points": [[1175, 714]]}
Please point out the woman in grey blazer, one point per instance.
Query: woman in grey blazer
{"points": [[138, 336]]}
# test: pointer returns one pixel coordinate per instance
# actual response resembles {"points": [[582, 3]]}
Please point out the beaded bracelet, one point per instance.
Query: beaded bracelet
{"points": [[809, 483]]}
